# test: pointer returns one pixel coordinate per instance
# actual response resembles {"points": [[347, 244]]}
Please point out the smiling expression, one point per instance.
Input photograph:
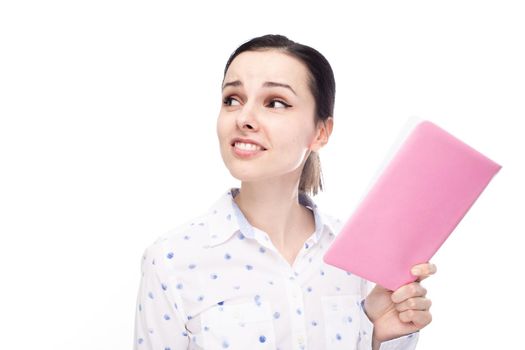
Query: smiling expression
{"points": [[265, 100]]}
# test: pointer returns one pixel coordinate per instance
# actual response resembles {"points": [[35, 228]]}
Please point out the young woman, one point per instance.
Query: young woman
{"points": [[249, 273]]}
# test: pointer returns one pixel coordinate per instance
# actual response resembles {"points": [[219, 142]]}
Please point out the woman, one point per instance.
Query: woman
{"points": [[249, 273]]}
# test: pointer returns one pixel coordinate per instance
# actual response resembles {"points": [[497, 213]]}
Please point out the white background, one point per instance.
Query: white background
{"points": [[108, 139]]}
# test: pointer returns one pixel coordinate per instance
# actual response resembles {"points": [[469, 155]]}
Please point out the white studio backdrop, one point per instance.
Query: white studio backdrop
{"points": [[108, 139]]}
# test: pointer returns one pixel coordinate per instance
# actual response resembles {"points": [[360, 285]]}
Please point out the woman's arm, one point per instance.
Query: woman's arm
{"points": [[159, 318]]}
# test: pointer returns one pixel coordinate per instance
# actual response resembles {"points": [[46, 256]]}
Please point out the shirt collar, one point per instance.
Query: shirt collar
{"points": [[226, 219]]}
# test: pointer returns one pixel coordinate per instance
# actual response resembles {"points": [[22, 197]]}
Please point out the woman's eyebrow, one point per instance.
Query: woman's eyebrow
{"points": [[265, 84]]}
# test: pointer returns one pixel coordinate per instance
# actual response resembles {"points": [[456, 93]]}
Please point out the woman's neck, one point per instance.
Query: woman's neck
{"points": [[276, 210]]}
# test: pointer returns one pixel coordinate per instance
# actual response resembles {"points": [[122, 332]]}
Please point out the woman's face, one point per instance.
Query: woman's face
{"points": [[278, 118]]}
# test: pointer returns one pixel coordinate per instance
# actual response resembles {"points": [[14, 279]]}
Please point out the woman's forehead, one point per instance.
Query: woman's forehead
{"points": [[261, 66]]}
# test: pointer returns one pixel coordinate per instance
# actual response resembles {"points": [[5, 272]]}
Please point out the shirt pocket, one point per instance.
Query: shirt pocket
{"points": [[240, 325], [342, 320]]}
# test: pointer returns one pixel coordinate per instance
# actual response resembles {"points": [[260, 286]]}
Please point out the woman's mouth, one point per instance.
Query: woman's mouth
{"points": [[246, 150]]}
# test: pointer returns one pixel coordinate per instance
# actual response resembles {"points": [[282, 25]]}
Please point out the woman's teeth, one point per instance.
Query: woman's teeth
{"points": [[247, 146]]}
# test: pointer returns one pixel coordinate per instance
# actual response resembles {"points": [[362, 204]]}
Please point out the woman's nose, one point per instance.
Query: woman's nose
{"points": [[247, 118]]}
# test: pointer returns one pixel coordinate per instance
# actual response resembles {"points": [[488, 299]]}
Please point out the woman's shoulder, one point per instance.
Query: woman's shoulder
{"points": [[193, 235], [334, 222], [185, 239]]}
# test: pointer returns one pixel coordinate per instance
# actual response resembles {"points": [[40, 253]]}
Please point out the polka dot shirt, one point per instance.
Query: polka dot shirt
{"points": [[217, 282]]}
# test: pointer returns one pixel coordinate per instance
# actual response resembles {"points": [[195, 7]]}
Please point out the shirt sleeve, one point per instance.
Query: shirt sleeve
{"points": [[159, 318], [406, 342]]}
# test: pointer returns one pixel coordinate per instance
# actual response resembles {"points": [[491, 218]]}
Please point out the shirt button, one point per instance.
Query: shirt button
{"points": [[300, 340]]}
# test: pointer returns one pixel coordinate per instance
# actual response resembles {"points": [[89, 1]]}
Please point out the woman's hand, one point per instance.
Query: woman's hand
{"points": [[403, 311]]}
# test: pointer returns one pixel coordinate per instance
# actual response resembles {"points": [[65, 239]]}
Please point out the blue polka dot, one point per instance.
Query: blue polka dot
{"points": [[150, 295], [309, 289], [227, 256], [257, 300], [169, 255], [167, 348], [201, 298], [306, 246], [249, 267], [262, 338], [349, 319], [299, 311], [191, 266], [322, 273], [225, 344], [262, 250], [184, 334], [140, 307], [206, 328], [314, 323], [179, 285], [164, 286], [240, 235], [186, 237], [176, 306], [140, 340], [338, 336], [213, 276], [166, 317], [221, 302], [276, 315], [228, 217]]}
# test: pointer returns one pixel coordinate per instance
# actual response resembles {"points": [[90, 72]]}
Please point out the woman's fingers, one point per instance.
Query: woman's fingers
{"points": [[410, 300], [419, 318], [408, 291], [418, 303], [423, 271]]}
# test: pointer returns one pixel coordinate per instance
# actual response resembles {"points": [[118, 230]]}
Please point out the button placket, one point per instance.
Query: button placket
{"points": [[297, 313]]}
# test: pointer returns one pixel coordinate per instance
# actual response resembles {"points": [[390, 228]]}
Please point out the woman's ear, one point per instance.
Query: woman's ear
{"points": [[324, 130]]}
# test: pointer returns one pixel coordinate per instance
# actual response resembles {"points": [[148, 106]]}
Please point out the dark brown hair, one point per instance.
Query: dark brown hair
{"points": [[321, 82]]}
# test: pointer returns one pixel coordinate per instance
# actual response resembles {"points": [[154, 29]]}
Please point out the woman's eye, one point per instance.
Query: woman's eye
{"points": [[227, 101], [281, 102]]}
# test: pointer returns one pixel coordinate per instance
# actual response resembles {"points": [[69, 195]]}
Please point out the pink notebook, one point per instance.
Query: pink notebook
{"points": [[417, 201]]}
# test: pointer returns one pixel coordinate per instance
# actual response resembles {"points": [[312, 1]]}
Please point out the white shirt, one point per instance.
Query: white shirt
{"points": [[217, 282]]}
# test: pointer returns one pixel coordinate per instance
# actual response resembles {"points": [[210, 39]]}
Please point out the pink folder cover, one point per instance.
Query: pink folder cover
{"points": [[415, 204]]}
